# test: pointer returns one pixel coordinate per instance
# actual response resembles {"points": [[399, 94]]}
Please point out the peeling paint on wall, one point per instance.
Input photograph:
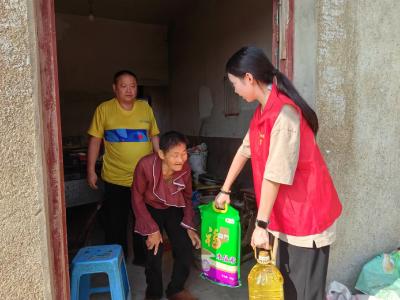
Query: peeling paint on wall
{"points": [[358, 70], [22, 223], [333, 32]]}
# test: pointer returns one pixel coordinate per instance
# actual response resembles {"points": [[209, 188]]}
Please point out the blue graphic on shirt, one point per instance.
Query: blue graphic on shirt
{"points": [[126, 135]]}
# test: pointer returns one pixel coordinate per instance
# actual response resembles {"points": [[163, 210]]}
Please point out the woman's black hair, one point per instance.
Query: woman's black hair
{"points": [[171, 139], [254, 61], [123, 72]]}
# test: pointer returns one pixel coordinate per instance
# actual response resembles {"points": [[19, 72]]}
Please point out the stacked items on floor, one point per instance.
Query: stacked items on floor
{"points": [[248, 215]]}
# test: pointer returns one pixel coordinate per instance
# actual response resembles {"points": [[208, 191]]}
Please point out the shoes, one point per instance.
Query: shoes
{"points": [[182, 295]]}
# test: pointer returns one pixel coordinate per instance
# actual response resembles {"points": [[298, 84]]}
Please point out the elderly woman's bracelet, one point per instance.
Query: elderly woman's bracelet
{"points": [[225, 192]]}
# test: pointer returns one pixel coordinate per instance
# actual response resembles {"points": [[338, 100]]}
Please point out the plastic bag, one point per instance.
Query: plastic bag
{"points": [[220, 245], [379, 273], [391, 292], [198, 160], [338, 291]]}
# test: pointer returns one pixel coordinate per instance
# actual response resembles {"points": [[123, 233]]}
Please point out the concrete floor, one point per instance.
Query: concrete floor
{"points": [[199, 287]]}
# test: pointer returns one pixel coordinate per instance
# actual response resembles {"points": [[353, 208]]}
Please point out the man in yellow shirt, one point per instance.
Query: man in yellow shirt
{"points": [[129, 131]]}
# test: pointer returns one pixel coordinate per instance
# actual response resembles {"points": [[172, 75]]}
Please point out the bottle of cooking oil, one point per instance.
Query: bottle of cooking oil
{"points": [[265, 279]]}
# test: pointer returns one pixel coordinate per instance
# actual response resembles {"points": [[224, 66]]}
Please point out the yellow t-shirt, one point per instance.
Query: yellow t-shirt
{"points": [[127, 138]]}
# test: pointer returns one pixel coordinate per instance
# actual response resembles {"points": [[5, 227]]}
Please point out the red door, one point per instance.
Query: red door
{"points": [[282, 43], [53, 164]]}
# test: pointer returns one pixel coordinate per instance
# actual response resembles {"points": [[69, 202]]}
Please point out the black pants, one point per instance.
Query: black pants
{"points": [[169, 219], [114, 217], [304, 271]]}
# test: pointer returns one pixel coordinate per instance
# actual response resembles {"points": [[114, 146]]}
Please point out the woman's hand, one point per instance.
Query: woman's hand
{"points": [[260, 238], [153, 241], [221, 199], [194, 237]]}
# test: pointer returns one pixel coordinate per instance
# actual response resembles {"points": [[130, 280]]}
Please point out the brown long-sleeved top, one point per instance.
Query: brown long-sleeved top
{"points": [[149, 188]]}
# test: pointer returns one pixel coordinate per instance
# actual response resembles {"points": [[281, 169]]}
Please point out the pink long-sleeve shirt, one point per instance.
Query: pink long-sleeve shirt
{"points": [[149, 188]]}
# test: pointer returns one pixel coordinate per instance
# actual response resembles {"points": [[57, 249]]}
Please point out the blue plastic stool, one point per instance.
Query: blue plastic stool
{"points": [[107, 259]]}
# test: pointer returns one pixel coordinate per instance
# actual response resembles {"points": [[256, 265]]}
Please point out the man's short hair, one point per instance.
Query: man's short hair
{"points": [[123, 72]]}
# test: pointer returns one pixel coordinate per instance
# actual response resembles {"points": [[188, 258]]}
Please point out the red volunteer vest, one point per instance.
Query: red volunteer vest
{"points": [[311, 204]]}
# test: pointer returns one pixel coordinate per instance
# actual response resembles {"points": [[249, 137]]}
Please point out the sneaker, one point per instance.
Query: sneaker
{"points": [[182, 295]]}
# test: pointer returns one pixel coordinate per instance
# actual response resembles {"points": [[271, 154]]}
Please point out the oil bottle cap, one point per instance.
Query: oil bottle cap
{"points": [[263, 257]]}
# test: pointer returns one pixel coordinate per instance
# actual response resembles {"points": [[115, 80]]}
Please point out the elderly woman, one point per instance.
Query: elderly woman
{"points": [[161, 200]]}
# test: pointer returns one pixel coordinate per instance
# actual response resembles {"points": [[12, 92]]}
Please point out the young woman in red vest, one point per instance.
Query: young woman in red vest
{"points": [[297, 201]]}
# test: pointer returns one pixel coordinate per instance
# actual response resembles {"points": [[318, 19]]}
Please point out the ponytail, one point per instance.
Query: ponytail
{"points": [[285, 86]]}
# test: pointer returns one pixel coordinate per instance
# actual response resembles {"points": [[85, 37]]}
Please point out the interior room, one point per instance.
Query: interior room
{"points": [[178, 50]]}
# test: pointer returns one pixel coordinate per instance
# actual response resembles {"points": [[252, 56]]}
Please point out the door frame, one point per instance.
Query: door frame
{"points": [[283, 36], [53, 162], [52, 148]]}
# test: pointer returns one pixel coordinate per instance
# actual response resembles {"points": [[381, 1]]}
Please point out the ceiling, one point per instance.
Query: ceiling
{"points": [[142, 11]]}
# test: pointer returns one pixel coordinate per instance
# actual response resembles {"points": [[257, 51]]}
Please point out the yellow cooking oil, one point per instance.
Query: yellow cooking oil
{"points": [[265, 279]]}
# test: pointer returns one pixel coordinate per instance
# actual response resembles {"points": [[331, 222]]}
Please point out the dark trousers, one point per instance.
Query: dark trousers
{"points": [[169, 219], [114, 216], [304, 271]]}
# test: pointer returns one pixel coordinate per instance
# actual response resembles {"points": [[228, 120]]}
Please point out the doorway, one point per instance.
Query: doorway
{"points": [[197, 41]]}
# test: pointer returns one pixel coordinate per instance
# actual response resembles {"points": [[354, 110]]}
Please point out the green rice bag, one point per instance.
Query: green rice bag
{"points": [[220, 242]]}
